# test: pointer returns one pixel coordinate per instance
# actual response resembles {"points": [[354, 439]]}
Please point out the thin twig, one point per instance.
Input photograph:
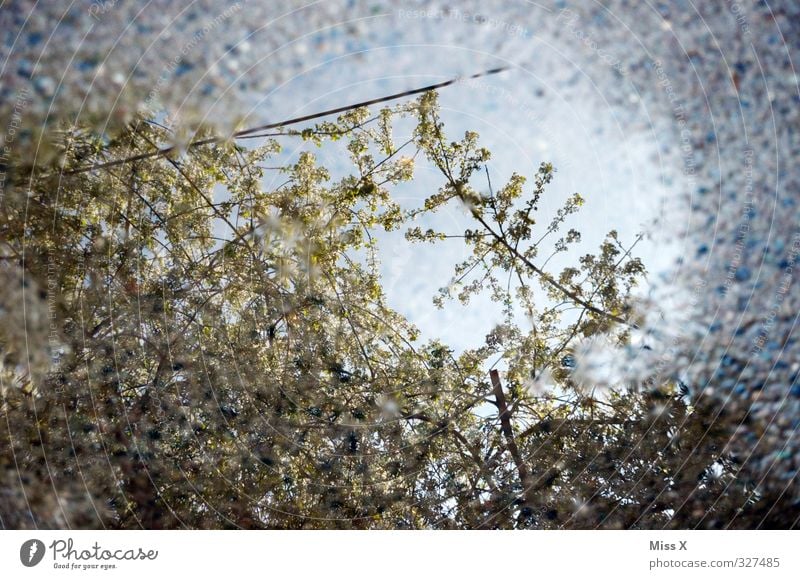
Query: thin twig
{"points": [[246, 132]]}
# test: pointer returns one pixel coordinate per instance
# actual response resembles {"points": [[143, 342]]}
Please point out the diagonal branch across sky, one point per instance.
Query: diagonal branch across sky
{"points": [[284, 123]]}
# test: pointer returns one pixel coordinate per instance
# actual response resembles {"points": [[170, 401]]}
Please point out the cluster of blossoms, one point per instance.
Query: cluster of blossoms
{"points": [[721, 80], [717, 82]]}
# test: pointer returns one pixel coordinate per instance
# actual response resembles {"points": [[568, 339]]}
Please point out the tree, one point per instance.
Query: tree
{"points": [[182, 348]]}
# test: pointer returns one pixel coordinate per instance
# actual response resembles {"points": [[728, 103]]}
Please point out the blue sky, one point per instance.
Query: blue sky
{"points": [[525, 117]]}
